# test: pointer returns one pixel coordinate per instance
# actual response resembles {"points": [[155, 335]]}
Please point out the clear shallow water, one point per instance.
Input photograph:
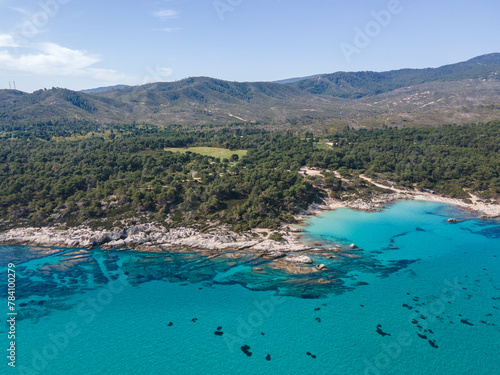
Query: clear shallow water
{"points": [[110, 312]]}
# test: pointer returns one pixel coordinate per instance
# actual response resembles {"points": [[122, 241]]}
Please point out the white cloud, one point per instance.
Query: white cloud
{"points": [[54, 60], [48, 59], [166, 14], [7, 40]]}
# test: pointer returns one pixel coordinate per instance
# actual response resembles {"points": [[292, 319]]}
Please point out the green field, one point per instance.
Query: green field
{"points": [[216, 152]]}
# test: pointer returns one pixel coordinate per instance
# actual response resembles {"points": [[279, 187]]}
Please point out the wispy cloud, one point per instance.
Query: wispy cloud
{"points": [[170, 29], [55, 60], [48, 58], [7, 40], [166, 14]]}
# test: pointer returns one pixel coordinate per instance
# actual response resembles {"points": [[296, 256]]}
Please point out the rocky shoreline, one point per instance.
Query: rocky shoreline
{"points": [[155, 237]]}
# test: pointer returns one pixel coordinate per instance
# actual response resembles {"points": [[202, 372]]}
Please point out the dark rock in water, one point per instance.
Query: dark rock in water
{"points": [[408, 307], [416, 299], [246, 349], [22, 304], [218, 333], [313, 356], [422, 336], [170, 324], [430, 331], [308, 353], [414, 321], [362, 305], [453, 221], [465, 321], [433, 344], [423, 317], [419, 229], [408, 293], [219, 328], [262, 333], [318, 320], [317, 309], [380, 332], [194, 320], [268, 357]]}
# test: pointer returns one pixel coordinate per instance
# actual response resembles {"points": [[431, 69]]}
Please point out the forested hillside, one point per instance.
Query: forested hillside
{"points": [[73, 172], [354, 85]]}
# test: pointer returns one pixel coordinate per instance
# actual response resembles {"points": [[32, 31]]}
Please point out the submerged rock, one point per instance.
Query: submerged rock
{"points": [[246, 349], [299, 259], [273, 254]]}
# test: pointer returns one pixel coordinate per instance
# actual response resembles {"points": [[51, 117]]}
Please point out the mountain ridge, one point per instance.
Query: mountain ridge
{"points": [[456, 93]]}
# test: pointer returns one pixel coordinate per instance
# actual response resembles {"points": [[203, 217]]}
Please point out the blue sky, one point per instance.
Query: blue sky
{"points": [[83, 44]]}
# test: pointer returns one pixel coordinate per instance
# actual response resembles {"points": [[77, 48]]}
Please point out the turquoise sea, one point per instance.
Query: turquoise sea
{"points": [[420, 296]]}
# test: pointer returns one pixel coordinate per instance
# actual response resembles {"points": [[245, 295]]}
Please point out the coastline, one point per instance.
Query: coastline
{"points": [[292, 253], [488, 210], [485, 210], [154, 237]]}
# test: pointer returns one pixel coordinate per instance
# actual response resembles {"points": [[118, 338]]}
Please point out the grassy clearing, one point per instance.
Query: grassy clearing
{"points": [[79, 137], [216, 152]]}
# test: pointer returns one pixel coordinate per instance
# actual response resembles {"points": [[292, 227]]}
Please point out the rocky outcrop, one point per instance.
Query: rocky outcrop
{"points": [[146, 236], [274, 254], [296, 258]]}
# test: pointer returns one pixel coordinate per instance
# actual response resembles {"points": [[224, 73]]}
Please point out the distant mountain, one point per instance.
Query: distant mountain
{"points": [[354, 85], [56, 103], [292, 80], [101, 89], [459, 93]]}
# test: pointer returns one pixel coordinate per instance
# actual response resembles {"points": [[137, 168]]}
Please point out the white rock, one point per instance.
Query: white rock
{"points": [[299, 259]]}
